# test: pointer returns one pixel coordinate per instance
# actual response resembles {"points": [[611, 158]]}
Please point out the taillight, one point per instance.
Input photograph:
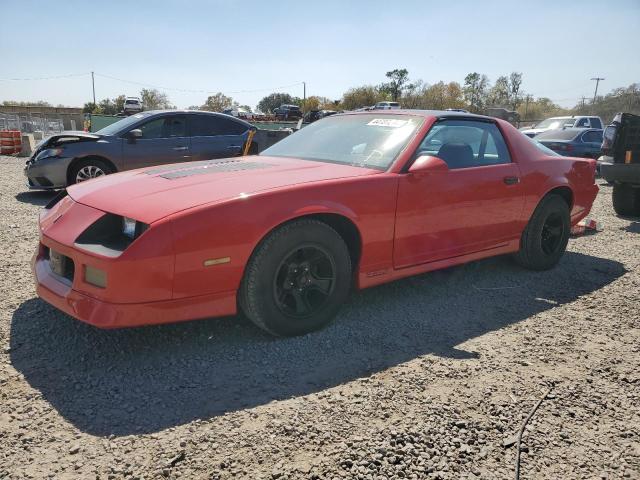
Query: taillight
{"points": [[562, 147]]}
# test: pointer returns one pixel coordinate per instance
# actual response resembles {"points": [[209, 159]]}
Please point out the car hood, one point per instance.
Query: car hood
{"points": [[70, 136], [533, 130], [153, 193]]}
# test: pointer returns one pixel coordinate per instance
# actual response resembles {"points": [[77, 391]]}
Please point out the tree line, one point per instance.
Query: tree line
{"points": [[475, 94], [150, 98]]}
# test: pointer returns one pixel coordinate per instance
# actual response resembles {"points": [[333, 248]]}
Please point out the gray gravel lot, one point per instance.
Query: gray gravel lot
{"points": [[427, 377]]}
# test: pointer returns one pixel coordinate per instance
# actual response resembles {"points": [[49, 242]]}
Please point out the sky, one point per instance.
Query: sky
{"points": [[248, 49]]}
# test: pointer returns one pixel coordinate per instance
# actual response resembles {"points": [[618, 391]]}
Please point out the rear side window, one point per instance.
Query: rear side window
{"points": [[212, 125], [465, 143], [583, 122], [596, 123], [592, 137]]}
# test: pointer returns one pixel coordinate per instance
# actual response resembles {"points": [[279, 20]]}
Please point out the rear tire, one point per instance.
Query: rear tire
{"points": [[545, 238], [297, 279], [88, 169], [626, 200]]}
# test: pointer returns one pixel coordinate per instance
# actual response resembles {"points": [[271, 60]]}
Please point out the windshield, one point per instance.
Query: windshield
{"points": [[558, 122], [120, 125], [372, 141]]}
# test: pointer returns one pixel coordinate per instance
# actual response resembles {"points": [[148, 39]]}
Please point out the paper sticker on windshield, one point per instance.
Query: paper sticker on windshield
{"points": [[388, 122]]}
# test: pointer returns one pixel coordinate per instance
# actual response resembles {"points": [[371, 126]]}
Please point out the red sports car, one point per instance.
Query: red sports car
{"points": [[351, 201]]}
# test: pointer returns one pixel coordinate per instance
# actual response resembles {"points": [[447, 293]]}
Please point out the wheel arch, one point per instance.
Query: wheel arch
{"points": [[77, 160], [564, 192], [342, 224]]}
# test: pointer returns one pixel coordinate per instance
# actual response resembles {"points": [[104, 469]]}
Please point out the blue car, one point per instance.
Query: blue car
{"points": [[141, 140], [573, 142]]}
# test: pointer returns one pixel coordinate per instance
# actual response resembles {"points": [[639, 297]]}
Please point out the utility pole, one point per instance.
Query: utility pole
{"points": [[93, 85], [304, 96], [597, 79], [583, 102], [526, 107]]}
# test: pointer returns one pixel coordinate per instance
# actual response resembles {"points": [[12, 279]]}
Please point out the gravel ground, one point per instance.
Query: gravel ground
{"points": [[428, 377]]}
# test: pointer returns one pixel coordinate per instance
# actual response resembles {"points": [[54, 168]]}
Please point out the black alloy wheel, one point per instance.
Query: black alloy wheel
{"points": [[304, 281]]}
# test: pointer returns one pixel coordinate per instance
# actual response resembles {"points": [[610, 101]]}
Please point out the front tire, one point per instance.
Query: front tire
{"points": [[297, 279], [545, 238], [87, 170], [626, 200]]}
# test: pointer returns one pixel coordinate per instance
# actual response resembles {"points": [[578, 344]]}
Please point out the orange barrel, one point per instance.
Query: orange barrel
{"points": [[8, 140], [17, 145]]}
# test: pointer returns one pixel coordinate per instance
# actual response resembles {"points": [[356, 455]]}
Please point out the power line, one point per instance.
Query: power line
{"points": [[53, 77], [187, 90]]}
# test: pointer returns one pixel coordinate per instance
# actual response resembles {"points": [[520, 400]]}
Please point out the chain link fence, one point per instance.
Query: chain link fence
{"points": [[31, 123]]}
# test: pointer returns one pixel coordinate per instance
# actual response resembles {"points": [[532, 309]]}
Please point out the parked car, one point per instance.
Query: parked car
{"points": [[132, 105], [510, 116], [239, 112], [313, 115], [620, 164], [351, 201], [573, 142], [288, 112], [387, 106], [555, 123], [141, 140]]}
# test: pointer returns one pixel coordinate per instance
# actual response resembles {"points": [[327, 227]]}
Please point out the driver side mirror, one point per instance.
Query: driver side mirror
{"points": [[428, 164], [133, 134]]}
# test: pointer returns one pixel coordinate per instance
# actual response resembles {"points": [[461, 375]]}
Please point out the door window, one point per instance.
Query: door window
{"points": [[465, 143], [213, 125], [164, 127], [152, 129], [176, 127]]}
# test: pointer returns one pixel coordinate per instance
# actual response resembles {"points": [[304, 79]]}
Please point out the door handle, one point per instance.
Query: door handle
{"points": [[180, 149], [511, 180], [233, 147]]}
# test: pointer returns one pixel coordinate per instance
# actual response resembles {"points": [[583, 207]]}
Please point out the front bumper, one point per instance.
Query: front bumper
{"points": [[60, 293], [137, 285], [48, 173], [620, 172]]}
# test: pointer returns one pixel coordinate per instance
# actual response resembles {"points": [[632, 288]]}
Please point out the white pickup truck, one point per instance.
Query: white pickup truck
{"points": [[554, 123]]}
